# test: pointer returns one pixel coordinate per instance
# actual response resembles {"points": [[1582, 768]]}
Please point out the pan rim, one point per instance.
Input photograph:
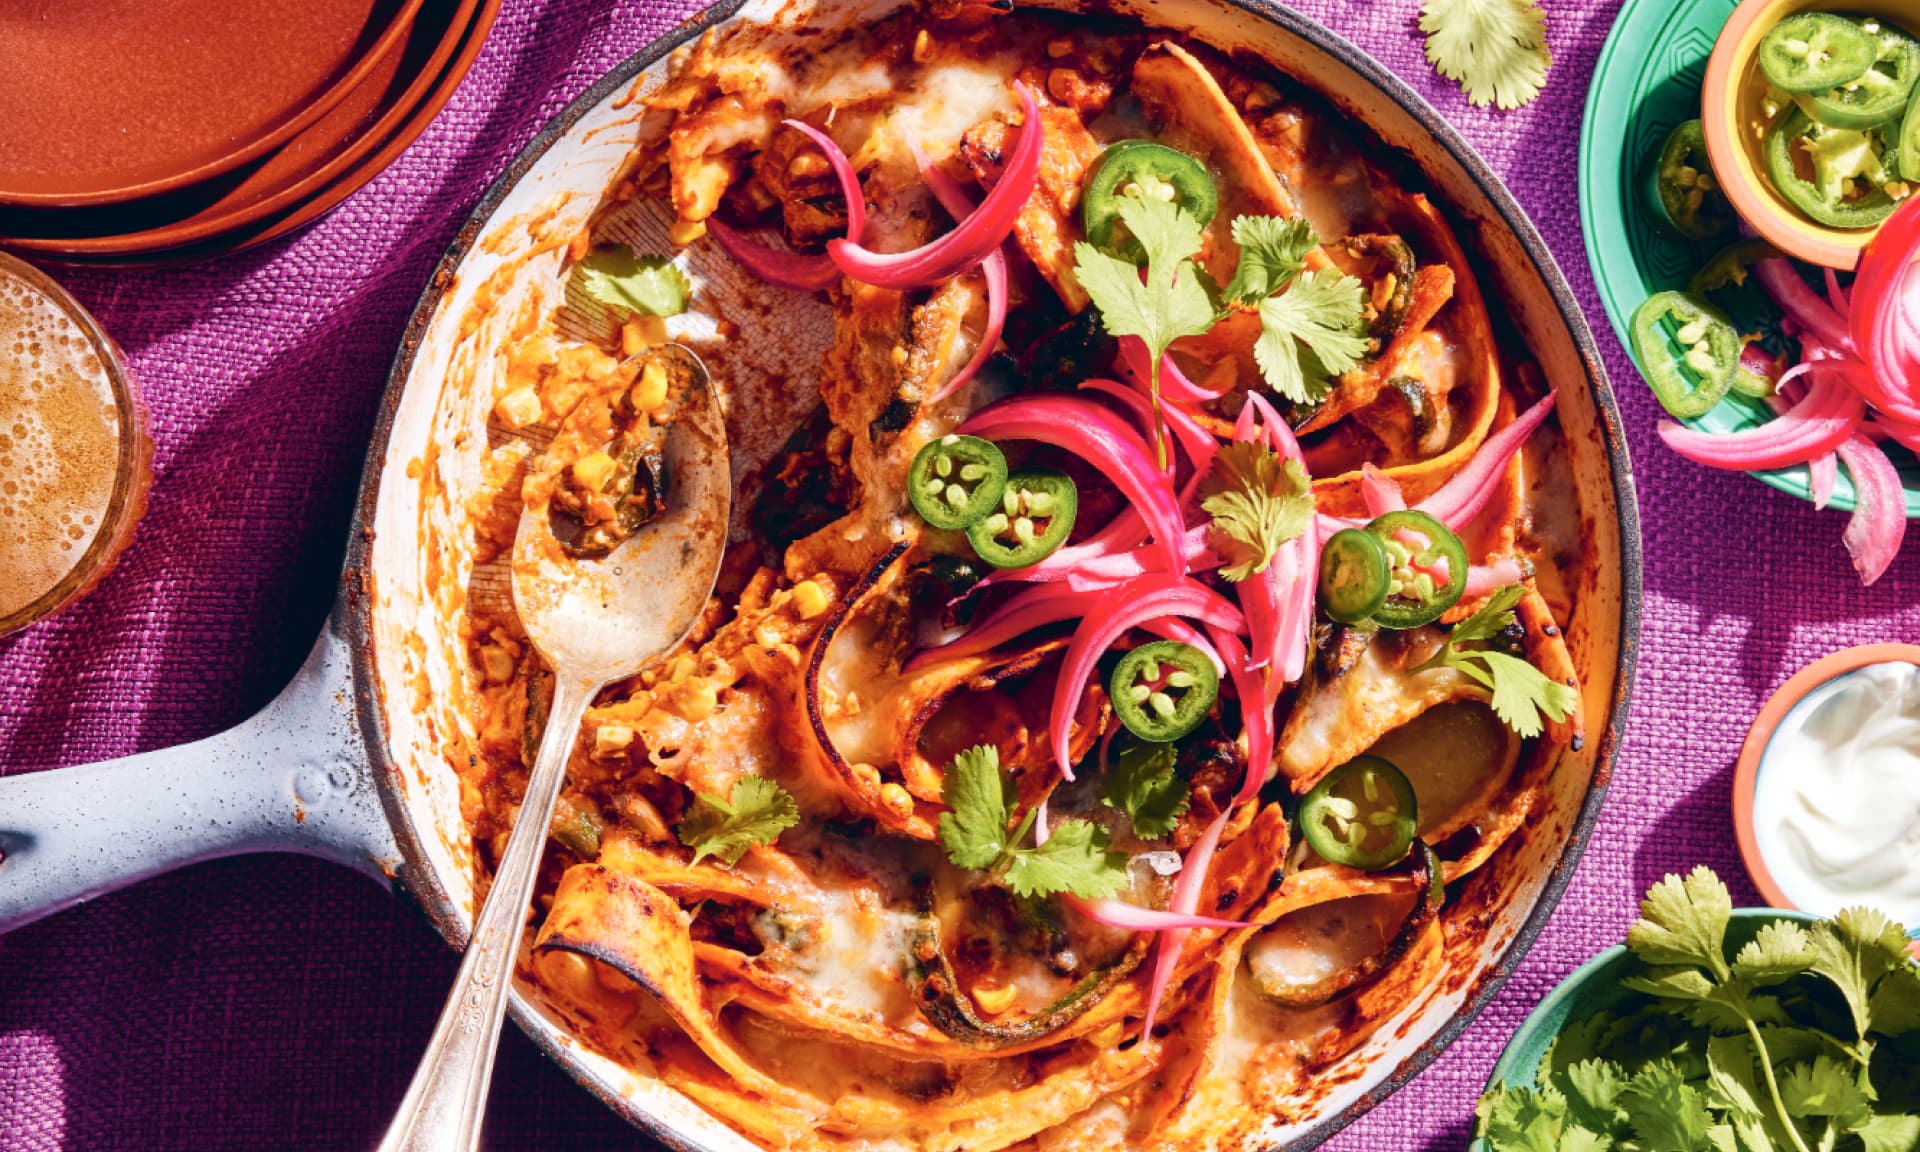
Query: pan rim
{"points": [[355, 603]]}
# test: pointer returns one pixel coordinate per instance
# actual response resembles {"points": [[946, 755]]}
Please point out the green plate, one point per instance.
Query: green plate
{"points": [[1646, 81], [1595, 987]]}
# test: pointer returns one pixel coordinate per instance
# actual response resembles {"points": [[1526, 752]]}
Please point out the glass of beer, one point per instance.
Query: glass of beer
{"points": [[75, 461]]}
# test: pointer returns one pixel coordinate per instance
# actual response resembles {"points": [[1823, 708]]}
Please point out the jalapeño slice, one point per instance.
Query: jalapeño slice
{"points": [[1427, 568], [1877, 95], [1688, 381], [1847, 186], [1143, 168], [1163, 689], [956, 480], [1035, 516], [1354, 575], [1363, 815], [1683, 192], [1909, 154], [1815, 51]]}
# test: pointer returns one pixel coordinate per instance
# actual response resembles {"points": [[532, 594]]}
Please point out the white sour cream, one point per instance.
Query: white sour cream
{"points": [[1836, 807]]}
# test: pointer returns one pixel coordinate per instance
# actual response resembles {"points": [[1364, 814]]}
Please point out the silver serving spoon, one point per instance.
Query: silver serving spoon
{"points": [[594, 621]]}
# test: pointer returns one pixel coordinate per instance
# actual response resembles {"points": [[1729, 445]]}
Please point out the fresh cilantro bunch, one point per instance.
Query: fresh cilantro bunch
{"points": [[1807, 1038], [981, 798], [756, 813], [632, 285], [1141, 782], [1312, 325], [1496, 49], [1522, 694], [1258, 502]]}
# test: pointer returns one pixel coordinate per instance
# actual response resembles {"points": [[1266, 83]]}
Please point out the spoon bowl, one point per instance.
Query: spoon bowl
{"points": [[595, 619], [597, 616]]}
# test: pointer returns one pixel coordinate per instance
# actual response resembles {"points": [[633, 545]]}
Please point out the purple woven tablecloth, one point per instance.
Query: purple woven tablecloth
{"points": [[277, 1003]]}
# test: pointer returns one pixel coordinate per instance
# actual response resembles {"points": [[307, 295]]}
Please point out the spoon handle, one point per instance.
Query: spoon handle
{"points": [[448, 1097]]}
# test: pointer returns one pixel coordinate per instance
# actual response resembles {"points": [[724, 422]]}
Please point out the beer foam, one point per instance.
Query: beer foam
{"points": [[59, 444]]}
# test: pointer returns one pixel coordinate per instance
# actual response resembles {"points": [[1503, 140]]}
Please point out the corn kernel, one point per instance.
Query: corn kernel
{"points": [[994, 998], [612, 739], [518, 409], [681, 668], [1110, 1036], [867, 774], [497, 663], [809, 599], [896, 797], [593, 470], [650, 391], [685, 232], [766, 636], [922, 46], [698, 700]]}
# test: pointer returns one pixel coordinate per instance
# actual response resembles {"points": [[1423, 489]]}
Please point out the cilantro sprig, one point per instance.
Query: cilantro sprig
{"points": [[1496, 49], [1312, 324], [1807, 1038], [615, 276], [1258, 501], [1169, 301], [756, 812], [1522, 694], [1141, 782], [980, 797]]}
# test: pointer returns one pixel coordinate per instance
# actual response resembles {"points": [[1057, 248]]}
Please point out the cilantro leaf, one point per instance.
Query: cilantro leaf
{"points": [[1889, 1133], [757, 812], [1780, 949], [1853, 950], [1684, 922], [1496, 49], [1493, 618], [1272, 250], [648, 286], [1823, 1087], [1665, 1111], [1895, 1005], [1141, 782], [1522, 694], [1258, 502], [1074, 859], [979, 797], [1594, 1088], [1309, 333], [1521, 1119], [1170, 302]]}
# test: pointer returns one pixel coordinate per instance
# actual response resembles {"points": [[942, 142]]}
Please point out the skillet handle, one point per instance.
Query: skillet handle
{"points": [[294, 778]]}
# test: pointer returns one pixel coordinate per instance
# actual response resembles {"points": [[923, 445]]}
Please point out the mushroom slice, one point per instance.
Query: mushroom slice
{"points": [[887, 735]]}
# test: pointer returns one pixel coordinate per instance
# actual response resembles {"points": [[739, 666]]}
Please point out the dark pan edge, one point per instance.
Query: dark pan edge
{"points": [[354, 605]]}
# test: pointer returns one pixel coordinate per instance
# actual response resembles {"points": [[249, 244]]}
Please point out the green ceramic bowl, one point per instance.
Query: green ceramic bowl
{"points": [[1646, 81], [1595, 987]]}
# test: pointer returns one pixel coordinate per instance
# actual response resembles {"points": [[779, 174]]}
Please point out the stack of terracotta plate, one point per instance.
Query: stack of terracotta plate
{"points": [[162, 131]]}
